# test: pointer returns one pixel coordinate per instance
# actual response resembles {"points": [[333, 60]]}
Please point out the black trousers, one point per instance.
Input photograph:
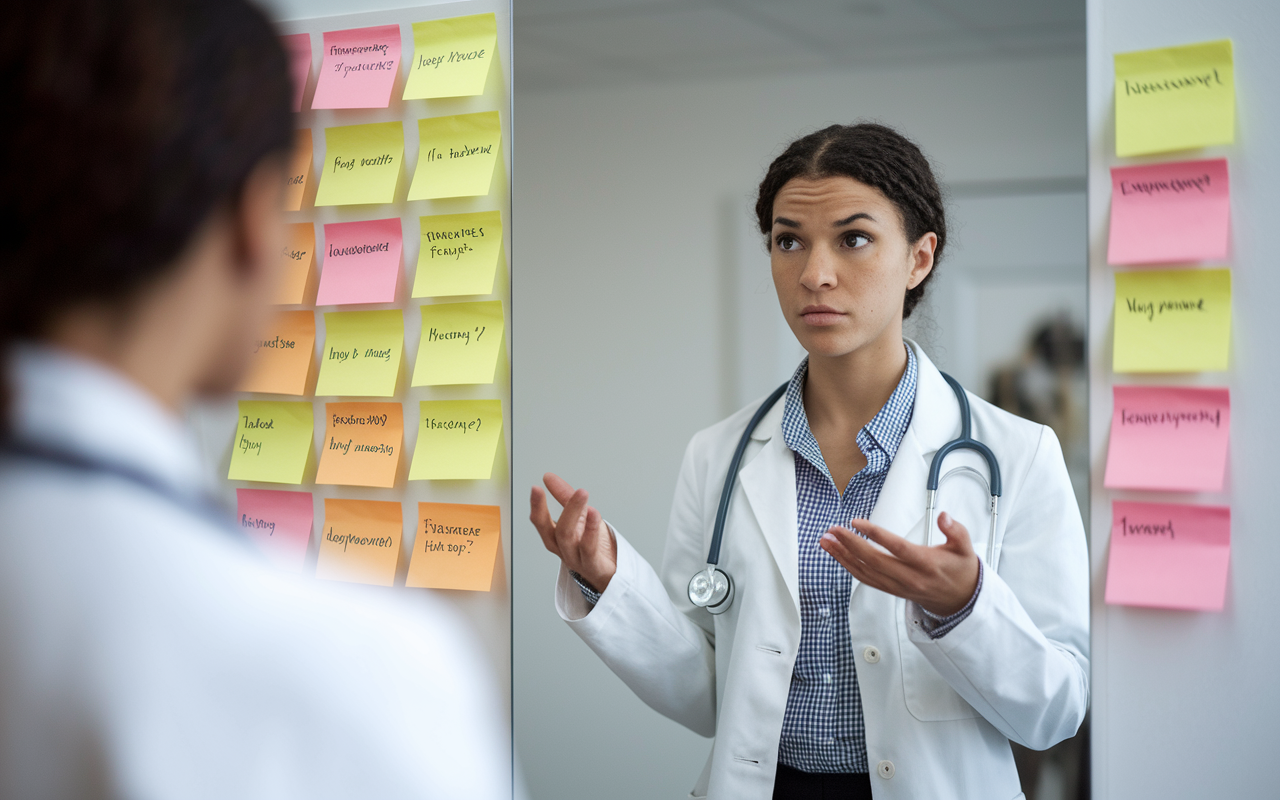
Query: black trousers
{"points": [[792, 784]]}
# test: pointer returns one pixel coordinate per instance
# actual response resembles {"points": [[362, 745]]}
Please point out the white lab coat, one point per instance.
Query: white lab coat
{"points": [[938, 713], [146, 653]]}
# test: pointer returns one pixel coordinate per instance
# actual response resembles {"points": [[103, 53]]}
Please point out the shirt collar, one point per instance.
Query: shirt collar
{"points": [[886, 429]]}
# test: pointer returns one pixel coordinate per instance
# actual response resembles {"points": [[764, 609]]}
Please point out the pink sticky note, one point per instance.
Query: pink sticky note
{"points": [[1169, 438], [1167, 555], [1163, 213], [298, 46], [358, 68], [361, 262], [279, 523]]}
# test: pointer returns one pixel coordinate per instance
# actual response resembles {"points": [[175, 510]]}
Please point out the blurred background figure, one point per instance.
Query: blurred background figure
{"points": [[145, 650]]}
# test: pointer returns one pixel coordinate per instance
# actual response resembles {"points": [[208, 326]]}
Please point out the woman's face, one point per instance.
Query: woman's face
{"points": [[842, 264]]}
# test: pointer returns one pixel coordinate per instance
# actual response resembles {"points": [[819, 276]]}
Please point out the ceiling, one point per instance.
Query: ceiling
{"points": [[577, 43]]}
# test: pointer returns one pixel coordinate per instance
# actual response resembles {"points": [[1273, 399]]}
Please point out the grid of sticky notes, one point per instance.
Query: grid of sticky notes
{"points": [[1171, 226], [340, 431]]}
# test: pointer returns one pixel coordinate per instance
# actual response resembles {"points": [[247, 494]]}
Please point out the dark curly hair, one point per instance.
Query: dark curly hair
{"points": [[875, 155]]}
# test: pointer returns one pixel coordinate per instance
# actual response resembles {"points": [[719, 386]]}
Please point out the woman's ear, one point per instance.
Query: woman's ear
{"points": [[259, 223], [921, 259]]}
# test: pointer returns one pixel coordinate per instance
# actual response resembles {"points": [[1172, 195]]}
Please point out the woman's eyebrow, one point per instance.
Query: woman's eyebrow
{"points": [[790, 223], [847, 220]]}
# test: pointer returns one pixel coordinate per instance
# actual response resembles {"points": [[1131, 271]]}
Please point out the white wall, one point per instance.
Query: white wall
{"points": [[1185, 704], [628, 252]]}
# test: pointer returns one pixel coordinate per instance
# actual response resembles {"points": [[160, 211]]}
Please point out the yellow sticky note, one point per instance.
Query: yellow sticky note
{"points": [[458, 254], [459, 344], [298, 257], [273, 440], [360, 541], [1173, 320], [457, 440], [282, 357], [362, 444], [451, 57], [299, 169], [456, 156], [361, 164], [362, 351], [455, 547], [1175, 98]]}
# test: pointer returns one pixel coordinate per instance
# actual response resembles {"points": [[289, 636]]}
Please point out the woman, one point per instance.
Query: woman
{"points": [[144, 650], [854, 658]]}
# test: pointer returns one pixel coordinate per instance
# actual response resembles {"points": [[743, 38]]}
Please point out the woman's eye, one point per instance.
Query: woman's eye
{"points": [[788, 243], [855, 240]]}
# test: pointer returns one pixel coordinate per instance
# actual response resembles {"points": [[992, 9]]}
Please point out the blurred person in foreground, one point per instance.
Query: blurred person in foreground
{"points": [[145, 651]]}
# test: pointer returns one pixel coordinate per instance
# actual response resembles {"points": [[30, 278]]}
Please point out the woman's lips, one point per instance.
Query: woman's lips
{"points": [[821, 316]]}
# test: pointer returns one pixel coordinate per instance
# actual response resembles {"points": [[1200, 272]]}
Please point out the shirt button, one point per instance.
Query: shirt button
{"points": [[826, 677], [872, 655], [885, 769], [822, 612]]}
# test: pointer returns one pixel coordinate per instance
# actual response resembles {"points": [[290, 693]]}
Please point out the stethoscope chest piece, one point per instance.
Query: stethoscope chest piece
{"points": [[711, 589]]}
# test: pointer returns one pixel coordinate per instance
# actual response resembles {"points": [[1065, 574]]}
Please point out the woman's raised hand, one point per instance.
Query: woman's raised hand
{"points": [[579, 537]]}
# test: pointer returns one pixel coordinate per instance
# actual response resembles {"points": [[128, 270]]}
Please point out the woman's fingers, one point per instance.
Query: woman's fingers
{"points": [[957, 534], [541, 519], [866, 557], [570, 525], [889, 541], [559, 488]]}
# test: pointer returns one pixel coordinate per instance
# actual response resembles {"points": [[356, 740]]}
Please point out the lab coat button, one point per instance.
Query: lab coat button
{"points": [[885, 769], [872, 655]]}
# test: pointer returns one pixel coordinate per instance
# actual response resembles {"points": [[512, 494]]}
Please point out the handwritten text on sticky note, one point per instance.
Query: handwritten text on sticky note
{"points": [[296, 257], [283, 355], [1166, 555], [460, 343], [298, 170], [361, 262], [358, 68], [1163, 213], [458, 254], [1175, 98], [457, 440], [362, 444], [360, 541], [456, 156], [279, 523], [1169, 438], [362, 353], [298, 48], [451, 57], [1172, 320], [455, 547], [361, 164], [272, 441]]}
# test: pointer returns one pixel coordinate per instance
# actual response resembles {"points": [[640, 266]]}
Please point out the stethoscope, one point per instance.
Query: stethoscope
{"points": [[712, 588]]}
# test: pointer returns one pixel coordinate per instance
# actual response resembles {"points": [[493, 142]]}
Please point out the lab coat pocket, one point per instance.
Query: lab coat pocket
{"points": [[929, 697]]}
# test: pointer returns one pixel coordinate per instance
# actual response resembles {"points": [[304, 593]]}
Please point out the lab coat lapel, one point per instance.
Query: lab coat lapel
{"points": [[769, 483]]}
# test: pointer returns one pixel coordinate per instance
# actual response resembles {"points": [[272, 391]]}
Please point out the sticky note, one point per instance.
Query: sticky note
{"points": [[360, 541], [297, 257], [298, 48], [361, 164], [456, 156], [458, 254], [1169, 438], [283, 355], [1172, 320], [457, 440], [1165, 555], [459, 344], [451, 57], [1175, 98], [358, 68], [362, 351], [298, 170], [279, 523], [362, 444], [455, 547], [273, 440], [361, 262], [1180, 211]]}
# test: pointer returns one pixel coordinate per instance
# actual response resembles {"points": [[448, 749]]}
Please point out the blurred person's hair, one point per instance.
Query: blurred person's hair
{"points": [[877, 156], [127, 124]]}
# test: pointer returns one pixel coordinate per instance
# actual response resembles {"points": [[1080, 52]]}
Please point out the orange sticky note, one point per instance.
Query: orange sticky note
{"points": [[360, 541], [455, 547], [295, 180], [362, 444], [282, 358], [298, 255]]}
